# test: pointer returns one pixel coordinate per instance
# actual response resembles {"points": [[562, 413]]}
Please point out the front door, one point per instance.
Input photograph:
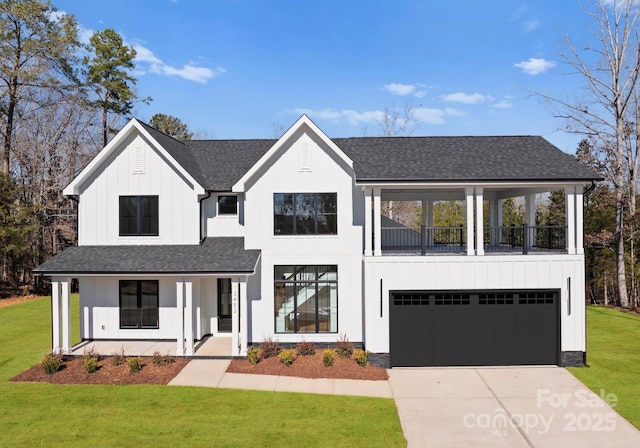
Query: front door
{"points": [[224, 305]]}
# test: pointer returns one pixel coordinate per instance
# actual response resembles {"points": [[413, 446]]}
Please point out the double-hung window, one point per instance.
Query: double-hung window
{"points": [[306, 298], [138, 215], [305, 214], [138, 304]]}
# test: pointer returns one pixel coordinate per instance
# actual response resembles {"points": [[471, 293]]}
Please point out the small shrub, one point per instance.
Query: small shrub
{"points": [[361, 357], [52, 362], [270, 348], [118, 358], [253, 355], [328, 357], [161, 359], [287, 356], [344, 347], [90, 360], [135, 363], [306, 348]]}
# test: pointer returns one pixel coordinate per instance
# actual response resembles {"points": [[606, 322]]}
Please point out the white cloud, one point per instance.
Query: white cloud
{"points": [[451, 112], [190, 71], [465, 98], [535, 66], [420, 94], [503, 104], [531, 25], [399, 89]]}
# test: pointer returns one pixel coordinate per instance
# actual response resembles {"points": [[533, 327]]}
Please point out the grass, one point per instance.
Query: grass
{"points": [[613, 356], [74, 415]]}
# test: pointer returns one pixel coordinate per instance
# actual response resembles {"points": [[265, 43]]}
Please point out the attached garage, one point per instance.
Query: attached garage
{"points": [[467, 328]]}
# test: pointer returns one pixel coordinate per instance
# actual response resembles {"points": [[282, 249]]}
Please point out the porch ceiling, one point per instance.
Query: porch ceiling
{"points": [[458, 194]]}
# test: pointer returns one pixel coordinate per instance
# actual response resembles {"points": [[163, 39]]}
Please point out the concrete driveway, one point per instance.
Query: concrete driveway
{"points": [[505, 407]]}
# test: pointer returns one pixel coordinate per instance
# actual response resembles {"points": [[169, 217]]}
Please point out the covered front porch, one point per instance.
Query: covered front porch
{"points": [[477, 223]]}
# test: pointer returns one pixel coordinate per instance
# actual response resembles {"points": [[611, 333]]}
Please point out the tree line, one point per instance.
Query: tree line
{"points": [[60, 103]]}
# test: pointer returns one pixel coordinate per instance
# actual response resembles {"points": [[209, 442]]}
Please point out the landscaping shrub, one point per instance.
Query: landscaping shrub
{"points": [[344, 347], [361, 357], [270, 348], [118, 358], [90, 360], [306, 348], [253, 355], [52, 362], [160, 359], [328, 357], [287, 356], [135, 363]]}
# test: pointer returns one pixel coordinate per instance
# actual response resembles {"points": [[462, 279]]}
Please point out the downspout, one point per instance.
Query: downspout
{"points": [[201, 201], [77, 201]]}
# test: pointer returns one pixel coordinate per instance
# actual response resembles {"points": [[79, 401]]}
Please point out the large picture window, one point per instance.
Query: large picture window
{"points": [[306, 299], [138, 215], [138, 304], [305, 214]]}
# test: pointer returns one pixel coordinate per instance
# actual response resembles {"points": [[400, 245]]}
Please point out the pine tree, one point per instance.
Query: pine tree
{"points": [[170, 125]]}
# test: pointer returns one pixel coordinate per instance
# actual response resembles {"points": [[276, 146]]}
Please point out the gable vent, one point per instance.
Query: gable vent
{"points": [[305, 158], [138, 160]]}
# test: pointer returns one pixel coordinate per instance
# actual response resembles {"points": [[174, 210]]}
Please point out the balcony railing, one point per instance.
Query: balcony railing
{"points": [[522, 239]]}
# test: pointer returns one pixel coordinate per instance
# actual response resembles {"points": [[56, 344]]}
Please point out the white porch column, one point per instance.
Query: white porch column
{"points": [[188, 316], [499, 221], [56, 342], [65, 300], [479, 221], [579, 220], [368, 229], [530, 219], [235, 327], [179, 317], [469, 202], [493, 213], [377, 230], [570, 200], [244, 318], [430, 224]]}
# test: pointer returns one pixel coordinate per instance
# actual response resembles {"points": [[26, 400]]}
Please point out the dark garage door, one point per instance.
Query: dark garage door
{"points": [[467, 328]]}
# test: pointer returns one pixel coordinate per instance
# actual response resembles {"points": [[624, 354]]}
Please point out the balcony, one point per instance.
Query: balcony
{"points": [[425, 240]]}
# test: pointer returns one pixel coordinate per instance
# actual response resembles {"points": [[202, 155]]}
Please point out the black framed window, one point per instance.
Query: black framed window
{"points": [[227, 205], [305, 214], [138, 215], [306, 299], [139, 304]]}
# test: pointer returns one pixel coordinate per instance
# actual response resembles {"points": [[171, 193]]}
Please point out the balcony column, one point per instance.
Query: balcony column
{"points": [[368, 229], [499, 220], [179, 317], [430, 240], [479, 221], [243, 311], [235, 321], [469, 203], [188, 316], [570, 200], [530, 219], [579, 220], [493, 212], [377, 230]]}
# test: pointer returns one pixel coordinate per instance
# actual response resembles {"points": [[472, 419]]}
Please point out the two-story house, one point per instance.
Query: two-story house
{"points": [[284, 239]]}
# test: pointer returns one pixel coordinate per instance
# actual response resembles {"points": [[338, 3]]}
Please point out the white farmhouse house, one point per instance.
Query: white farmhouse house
{"points": [[284, 239]]}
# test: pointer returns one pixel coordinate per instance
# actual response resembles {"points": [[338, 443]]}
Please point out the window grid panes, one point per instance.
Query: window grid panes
{"points": [[227, 205], [139, 304], [305, 214], [138, 215], [306, 299]]}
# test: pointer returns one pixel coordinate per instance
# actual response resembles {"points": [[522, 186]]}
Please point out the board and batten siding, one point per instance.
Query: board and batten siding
{"points": [[456, 273], [216, 224], [306, 165], [135, 169]]}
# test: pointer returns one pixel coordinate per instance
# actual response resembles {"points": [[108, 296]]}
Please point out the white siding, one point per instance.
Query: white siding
{"points": [[487, 272], [222, 225], [98, 220], [322, 173]]}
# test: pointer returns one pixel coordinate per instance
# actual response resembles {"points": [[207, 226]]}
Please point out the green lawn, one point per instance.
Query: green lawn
{"points": [[613, 355], [58, 415]]}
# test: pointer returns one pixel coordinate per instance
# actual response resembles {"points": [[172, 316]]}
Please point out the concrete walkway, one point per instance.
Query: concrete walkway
{"points": [[212, 373], [460, 407]]}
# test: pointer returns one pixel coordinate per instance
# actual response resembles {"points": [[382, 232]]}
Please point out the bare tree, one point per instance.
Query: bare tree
{"points": [[395, 122], [608, 112]]}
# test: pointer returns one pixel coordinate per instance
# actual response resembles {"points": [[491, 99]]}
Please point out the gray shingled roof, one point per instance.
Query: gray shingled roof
{"points": [[214, 255]]}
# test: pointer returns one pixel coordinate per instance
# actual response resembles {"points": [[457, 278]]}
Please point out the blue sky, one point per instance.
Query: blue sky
{"points": [[233, 69]]}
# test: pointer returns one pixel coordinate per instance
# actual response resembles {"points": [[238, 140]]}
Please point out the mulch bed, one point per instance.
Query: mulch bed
{"points": [[72, 372], [310, 367]]}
